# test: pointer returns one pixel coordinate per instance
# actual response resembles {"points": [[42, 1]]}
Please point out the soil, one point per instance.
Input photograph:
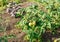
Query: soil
{"points": [[9, 22], [49, 36], [10, 28]]}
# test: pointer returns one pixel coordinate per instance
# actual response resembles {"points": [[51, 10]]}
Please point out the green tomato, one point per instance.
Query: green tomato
{"points": [[27, 37]]}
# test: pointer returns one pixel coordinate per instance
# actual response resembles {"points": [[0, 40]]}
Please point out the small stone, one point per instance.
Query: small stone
{"points": [[12, 14]]}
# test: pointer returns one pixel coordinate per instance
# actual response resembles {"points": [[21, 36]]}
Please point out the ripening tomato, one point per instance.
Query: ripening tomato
{"points": [[30, 24], [33, 23]]}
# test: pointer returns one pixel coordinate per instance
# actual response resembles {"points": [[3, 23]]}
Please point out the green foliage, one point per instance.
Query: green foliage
{"points": [[35, 21], [20, 13], [3, 2], [6, 37]]}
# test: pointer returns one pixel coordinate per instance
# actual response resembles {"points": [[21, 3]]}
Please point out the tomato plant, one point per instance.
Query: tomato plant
{"points": [[35, 21]]}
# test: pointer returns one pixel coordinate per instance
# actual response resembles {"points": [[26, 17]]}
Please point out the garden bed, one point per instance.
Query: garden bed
{"points": [[19, 25]]}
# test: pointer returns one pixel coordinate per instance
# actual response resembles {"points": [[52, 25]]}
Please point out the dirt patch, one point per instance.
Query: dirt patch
{"points": [[48, 36], [9, 23]]}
